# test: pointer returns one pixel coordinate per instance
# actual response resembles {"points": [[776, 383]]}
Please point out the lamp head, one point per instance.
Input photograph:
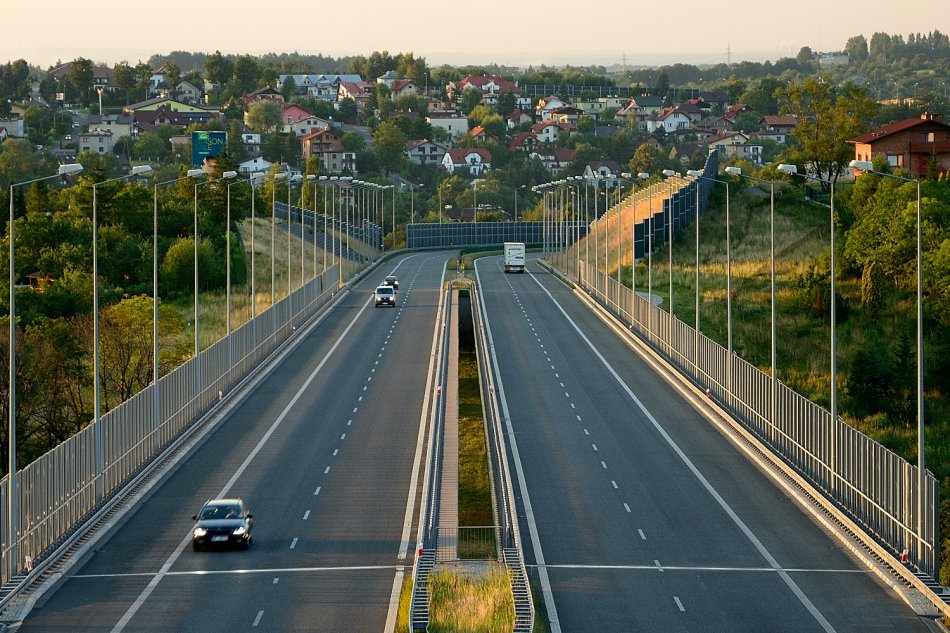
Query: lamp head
{"points": [[669, 172], [695, 173], [861, 165], [228, 174], [788, 169], [141, 169], [733, 171], [194, 173]]}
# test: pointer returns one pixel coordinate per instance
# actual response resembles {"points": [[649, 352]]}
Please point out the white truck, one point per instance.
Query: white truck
{"points": [[514, 257]]}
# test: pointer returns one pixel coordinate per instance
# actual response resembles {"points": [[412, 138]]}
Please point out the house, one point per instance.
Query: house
{"points": [[118, 124], [319, 142], [777, 128], [648, 104], [97, 141], [629, 112], [11, 127], [337, 162], [549, 131], [735, 145], [670, 119], [567, 114], [193, 112], [453, 124], [523, 141], [482, 135], [554, 159], [517, 118], [252, 141], [911, 144], [101, 75], [684, 152], [545, 104], [601, 169], [425, 153], [827, 60], [188, 92], [253, 165], [358, 91], [473, 161], [300, 121], [489, 85], [151, 120]]}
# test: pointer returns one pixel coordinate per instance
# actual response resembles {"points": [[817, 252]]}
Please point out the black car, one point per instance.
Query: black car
{"points": [[222, 522], [391, 280]]}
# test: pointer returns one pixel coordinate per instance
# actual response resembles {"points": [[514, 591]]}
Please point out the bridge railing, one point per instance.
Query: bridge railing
{"points": [[57, 491]]}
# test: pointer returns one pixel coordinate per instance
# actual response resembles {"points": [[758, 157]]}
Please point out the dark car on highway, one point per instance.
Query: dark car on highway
{"points": [[391, 280], [222, 522]]}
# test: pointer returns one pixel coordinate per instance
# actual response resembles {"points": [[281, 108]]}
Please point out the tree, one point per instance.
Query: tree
{"points": [[471, 97], [507, 103], [263, 115], [125, 79], [143, 79], [218, 69], [827, 117], [172, 78], [647, 159], [237, 151], [805, 56], [288, 89], [80, 77], [247, 72], [662, 85], [857, 48], [389, 141], [352, 142]]}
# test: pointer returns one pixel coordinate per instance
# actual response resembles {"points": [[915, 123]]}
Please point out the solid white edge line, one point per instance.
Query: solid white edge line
{"points": [[790, 583], [546, 591]]}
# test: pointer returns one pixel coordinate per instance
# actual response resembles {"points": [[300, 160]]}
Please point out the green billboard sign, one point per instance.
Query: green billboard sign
{"points": [[206, 145]]}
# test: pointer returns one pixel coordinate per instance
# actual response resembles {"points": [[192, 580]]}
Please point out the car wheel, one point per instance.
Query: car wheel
{"points": [[195, 546]]}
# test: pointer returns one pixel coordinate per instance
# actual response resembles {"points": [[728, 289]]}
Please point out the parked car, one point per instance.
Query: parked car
{"points": [[391, 280], [385, 295], [222, 522]]}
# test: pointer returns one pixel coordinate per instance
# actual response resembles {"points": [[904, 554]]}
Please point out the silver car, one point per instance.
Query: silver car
{"points": [[385, 295]]}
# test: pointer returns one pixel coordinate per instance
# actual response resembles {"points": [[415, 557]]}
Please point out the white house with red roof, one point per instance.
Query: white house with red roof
{"points": [[549, 131], [425, 153], [473, 161]]}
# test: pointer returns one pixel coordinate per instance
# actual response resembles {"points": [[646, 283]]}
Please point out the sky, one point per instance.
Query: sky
{"points": [[482, 32]]}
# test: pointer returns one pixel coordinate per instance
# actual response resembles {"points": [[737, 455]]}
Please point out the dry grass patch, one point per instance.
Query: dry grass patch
{"points": [[459, 603]]}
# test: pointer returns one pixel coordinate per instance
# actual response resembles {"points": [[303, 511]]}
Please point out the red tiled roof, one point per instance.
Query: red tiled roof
{"points": [[893, 128]]}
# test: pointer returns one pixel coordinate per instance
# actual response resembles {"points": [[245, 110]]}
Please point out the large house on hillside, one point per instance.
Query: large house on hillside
{"points": [[911, 144]]}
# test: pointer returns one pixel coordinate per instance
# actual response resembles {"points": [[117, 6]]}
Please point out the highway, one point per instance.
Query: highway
{"points": [[636, 513], [328, 452]]}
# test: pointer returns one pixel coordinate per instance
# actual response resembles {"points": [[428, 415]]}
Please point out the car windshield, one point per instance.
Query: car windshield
{"points": [[210, 513], [384, 291], [390, 279]]}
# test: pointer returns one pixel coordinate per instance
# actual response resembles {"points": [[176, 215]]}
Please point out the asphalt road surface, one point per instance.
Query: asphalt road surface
{"points": [[636, 513], [325, 450]]}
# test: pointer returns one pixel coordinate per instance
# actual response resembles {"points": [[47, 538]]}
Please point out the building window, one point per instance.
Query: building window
{"points": [[895, 160]]}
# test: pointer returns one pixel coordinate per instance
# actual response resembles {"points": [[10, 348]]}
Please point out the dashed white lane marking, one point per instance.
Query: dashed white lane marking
{"points": [[594, 446], [276, 580], [658, 565], [586, 432], [326, 470], [257, 620], [614, 484], [317, 491], [355, 409], [349, 422], [343, 437], [679, 604], [306, 515], [360, 399], [604, 464], [336, 451], [643, 536], [578, 418], [627, 507], [572, 404], [293, 543]]}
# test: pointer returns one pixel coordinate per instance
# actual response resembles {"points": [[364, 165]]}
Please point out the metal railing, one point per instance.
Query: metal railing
{"points": [[870, 484], [57, 492]]}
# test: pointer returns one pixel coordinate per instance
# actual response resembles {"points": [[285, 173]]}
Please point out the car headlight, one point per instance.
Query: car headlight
{"points": [[200, 532], [239, 531]]}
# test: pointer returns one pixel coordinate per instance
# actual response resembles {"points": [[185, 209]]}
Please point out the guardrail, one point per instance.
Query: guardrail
{"points": [[428, 541], [509, 538]]}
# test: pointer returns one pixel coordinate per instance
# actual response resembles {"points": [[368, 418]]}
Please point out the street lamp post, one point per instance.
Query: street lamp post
{"points": [[273, 233], [633, 235], [156, 413], [669, 173], [225, 176], [12, 520], [736, 171], [793, 169], [97, 389], [867, 166]]}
